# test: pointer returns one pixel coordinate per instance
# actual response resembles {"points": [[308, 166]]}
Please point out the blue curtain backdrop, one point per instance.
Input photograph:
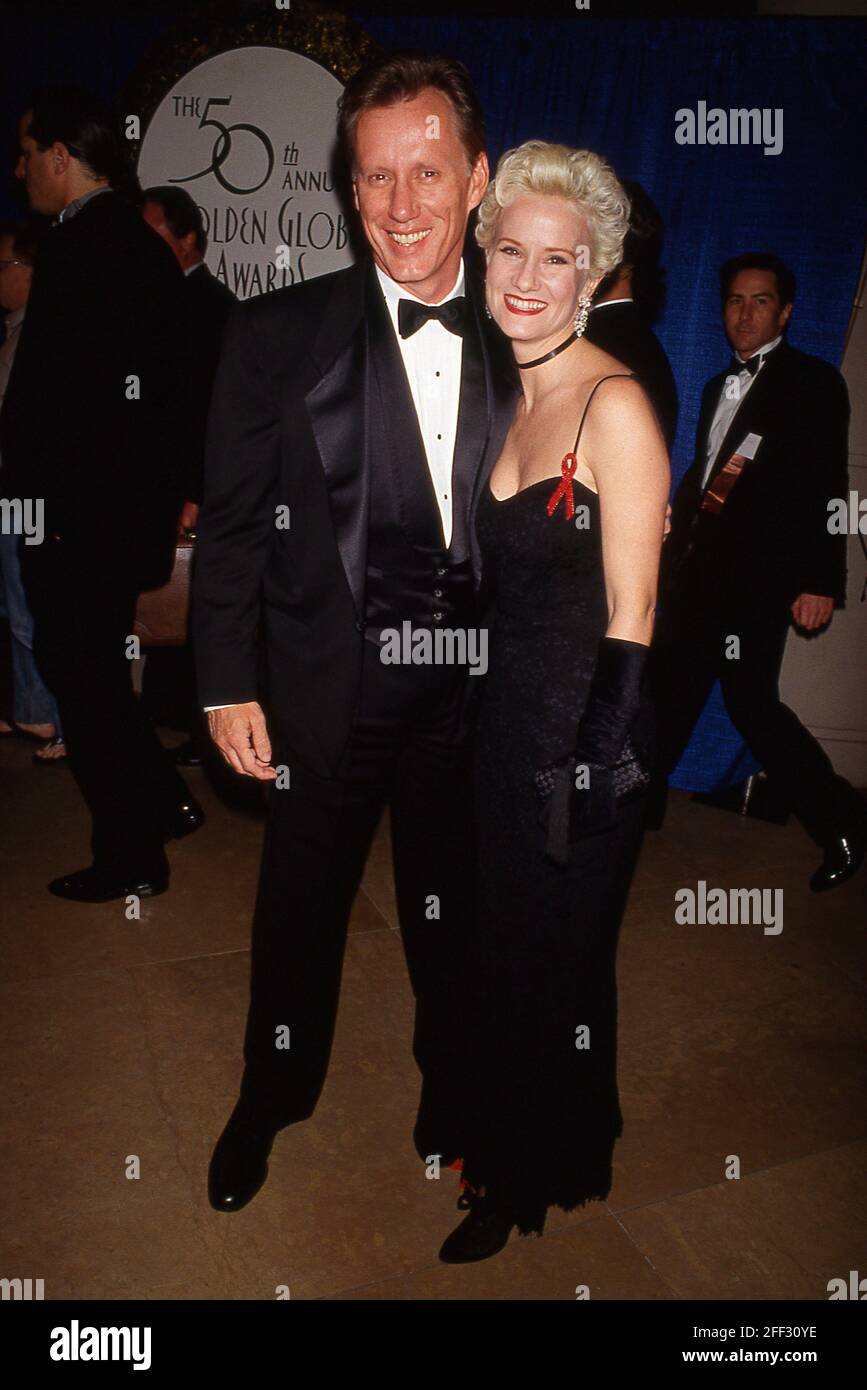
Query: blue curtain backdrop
{"points": [[614, 85]]}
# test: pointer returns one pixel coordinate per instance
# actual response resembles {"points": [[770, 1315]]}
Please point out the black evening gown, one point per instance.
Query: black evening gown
{"points": [[538, 1114]]}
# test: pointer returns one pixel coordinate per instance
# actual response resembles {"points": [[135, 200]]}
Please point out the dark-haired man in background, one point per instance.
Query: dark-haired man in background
{"points": [[626, 303], [169, 679], [371, 404], [90, 425], [174, 216], [750, 551]]}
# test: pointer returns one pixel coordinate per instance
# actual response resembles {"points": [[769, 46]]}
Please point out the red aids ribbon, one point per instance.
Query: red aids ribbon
{"points": [[564, 488]]}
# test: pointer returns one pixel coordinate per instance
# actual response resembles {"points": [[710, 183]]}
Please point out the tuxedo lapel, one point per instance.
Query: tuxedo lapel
{"points": [[395, 435], [337, 408]]}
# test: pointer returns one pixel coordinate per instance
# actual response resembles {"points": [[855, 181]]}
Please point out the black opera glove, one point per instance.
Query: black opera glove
{"points": [[580, 794]]}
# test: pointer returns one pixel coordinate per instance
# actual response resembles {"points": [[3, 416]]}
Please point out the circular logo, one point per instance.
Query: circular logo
{"points": [[251, 136]]}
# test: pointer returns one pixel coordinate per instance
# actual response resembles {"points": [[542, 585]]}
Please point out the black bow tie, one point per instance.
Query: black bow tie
{"points": [[411, 314], [751, 365]]}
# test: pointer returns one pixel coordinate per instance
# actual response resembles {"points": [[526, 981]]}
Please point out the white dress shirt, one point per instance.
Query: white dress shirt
{"points": [[432, 359], [729, 403]]}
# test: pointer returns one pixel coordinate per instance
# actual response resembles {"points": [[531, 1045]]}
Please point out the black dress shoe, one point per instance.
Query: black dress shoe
{"points": [[187, 754], [843, 858], [239, 1163], [96, 885], [183, 819], [485, 1232]]}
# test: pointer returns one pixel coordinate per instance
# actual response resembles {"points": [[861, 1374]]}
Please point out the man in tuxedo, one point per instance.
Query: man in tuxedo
{"points": [[169, 678], [90, 426], [625, 303], [355, 419], [207, 303], [750, 551]]}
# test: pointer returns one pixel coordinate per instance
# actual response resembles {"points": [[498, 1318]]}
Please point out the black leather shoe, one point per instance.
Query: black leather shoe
{"points": [[239, 1163], [183, 820], [843, 858], [96, 885], [187, 754], [485, 1232]]}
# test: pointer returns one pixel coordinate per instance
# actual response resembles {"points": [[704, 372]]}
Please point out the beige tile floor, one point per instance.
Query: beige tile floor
{"points": [[123, 1038]]}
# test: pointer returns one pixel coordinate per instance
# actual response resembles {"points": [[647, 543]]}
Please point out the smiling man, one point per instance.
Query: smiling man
{"points": [[367, 407]]}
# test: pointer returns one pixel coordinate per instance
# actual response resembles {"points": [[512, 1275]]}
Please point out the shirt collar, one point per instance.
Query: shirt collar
{"points": [[394, 292], [15, 317], [605, 302], [78, 203], [762, 352], [190, 268]]}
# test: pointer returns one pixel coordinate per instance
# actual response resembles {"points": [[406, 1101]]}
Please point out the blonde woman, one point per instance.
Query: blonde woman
{"points": [[571, 525]]}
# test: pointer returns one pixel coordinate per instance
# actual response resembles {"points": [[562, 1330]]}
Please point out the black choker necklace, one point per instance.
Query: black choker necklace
{"points": [[548, 355]]}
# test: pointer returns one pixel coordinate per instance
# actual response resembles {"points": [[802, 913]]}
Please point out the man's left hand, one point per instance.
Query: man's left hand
{"points": [[812, 611]]}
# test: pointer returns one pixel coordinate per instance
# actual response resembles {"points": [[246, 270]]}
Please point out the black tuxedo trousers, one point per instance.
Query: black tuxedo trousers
{"points": [[689, 655], [408, 750], [81, 627]]}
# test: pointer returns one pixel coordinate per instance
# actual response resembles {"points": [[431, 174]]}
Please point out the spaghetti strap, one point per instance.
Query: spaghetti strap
{"points": [[611, 377]]}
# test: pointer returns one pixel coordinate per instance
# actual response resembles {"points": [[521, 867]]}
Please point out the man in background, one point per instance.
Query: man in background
{"points": [[750, 551], [169, 682], [627, 302], [91, 424]]}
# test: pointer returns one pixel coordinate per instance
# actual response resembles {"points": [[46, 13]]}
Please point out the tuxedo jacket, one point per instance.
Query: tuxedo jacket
{"points": [[770, 542], [623, 331], [289, 429], [208, 305], [107, 457]]}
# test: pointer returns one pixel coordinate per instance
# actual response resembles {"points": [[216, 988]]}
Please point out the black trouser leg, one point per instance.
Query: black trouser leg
{"points": [[691, 650], [788, 752], [434, 851], [682, 671], [82, 625], [317, 839]]}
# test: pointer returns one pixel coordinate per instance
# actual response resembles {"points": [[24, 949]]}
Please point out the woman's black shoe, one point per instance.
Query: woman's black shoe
{"points": [[485, 1232]]}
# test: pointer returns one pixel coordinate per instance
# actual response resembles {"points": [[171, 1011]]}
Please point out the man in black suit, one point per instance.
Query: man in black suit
{"points": [[174, 216], [90, 425], [750, 551], [625, 304], [355, 419], [169, 678]]}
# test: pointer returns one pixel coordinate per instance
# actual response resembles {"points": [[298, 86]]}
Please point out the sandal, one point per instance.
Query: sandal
{"points": [[53, 750]]}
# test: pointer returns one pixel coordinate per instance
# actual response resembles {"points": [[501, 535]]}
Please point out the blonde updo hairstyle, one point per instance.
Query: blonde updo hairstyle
{"points": [[584, 179]]}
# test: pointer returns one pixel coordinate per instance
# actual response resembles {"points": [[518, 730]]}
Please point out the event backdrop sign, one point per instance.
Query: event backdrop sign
{"points": [[250, 134]]}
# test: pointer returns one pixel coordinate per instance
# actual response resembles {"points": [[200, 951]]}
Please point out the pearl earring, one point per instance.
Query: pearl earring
{"points": [[488, 312], [582, 314]]}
